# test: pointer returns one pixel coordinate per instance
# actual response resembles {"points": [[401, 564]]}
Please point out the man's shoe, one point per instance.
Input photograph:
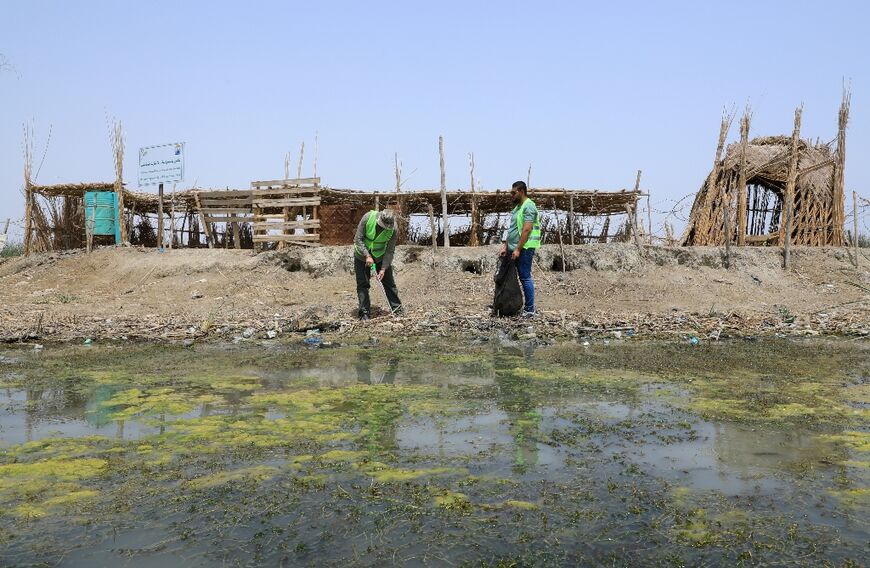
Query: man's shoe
{"points": [[528, 315], [364, 317]]}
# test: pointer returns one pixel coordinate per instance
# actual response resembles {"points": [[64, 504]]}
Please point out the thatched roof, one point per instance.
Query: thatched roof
{"points": [[586, 202], [767, 163]]}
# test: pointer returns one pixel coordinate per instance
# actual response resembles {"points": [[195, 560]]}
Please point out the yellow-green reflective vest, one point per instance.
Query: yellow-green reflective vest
{"points": [[534, 240], [376, 243]]}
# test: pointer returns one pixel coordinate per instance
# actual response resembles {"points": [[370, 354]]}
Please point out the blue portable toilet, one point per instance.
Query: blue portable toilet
{"points": [[101, 213]]}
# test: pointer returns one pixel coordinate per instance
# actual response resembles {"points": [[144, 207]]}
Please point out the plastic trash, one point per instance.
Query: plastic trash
{"points": [[694, 340], [88, 341], [313, 341]]}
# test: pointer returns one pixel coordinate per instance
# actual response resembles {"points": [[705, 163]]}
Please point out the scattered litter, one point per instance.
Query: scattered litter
{"points": [[88, 341], [196, 295], [248, 333], [694, 340], [271, 334]]}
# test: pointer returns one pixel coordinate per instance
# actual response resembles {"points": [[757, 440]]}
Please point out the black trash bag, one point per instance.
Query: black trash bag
{"points": [[508, 299]]}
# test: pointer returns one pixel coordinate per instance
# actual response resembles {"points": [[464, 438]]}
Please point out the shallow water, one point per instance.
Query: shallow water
{"points": [[435, 453]]}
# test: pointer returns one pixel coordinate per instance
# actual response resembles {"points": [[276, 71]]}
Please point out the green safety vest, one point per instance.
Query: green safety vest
{"points": [[376, 243], [534, 240]]}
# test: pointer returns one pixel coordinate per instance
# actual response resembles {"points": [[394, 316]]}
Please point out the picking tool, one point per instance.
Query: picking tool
{"points": [[383, 290]]}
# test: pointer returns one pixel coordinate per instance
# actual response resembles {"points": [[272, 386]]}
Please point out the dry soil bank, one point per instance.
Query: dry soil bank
{"points": [[196, 293]]}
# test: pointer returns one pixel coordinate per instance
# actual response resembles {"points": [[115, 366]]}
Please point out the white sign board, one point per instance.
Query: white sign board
{"points": [[161, 164]]}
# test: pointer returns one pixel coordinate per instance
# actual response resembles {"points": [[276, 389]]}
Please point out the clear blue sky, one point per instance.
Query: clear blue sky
{"points": [[586, 92]]}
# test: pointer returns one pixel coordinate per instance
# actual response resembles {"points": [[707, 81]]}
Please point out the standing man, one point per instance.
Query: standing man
{"points": [[374, 244], [523, 237]]}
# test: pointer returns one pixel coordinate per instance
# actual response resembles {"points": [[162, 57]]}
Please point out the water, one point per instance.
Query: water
{"points": [[435, 454]]}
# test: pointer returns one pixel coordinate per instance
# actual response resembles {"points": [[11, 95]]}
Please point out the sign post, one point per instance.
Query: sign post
{"points": [[158, 165]]}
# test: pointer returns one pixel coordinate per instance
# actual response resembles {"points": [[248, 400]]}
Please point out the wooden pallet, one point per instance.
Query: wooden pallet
{"points": [[230, 207], [286, 211]]}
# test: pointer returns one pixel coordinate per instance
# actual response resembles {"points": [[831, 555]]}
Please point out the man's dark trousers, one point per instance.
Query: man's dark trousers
{"points": [[363, 276]]}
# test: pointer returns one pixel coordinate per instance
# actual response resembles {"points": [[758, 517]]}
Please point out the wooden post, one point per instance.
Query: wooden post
{"points": [[559, 231], [838, 214], [634, 208], [631, 211], [571, 208], [649, 219], [209, 238], [726, 221], [605, 230], [160, 217], [118, 147], [377, 202], [788, 210], [741, 179], [445, 222], [434, 234], [28, 216], [401, 227], [299, 167], [854, 225], [172, 219], [473, 241], [28, 190]]}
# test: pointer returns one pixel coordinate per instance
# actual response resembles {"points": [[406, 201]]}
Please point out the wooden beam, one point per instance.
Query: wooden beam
{"points": [[286, 182], [445, 221]]}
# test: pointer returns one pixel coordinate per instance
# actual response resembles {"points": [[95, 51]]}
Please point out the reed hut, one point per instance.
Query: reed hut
{"points": [[749, 189]]}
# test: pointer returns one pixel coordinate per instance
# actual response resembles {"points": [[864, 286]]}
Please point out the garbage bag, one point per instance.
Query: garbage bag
{"points": [[508, 299]]}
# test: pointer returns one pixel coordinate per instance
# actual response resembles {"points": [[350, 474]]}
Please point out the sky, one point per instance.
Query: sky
{"points": [[587, 93]]}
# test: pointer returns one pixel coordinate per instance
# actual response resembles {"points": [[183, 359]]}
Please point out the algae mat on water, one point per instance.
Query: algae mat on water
{"points": [[436, 453]]}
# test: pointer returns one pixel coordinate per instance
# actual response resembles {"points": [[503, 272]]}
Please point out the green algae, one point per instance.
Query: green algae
{"points": [[230, 448], [254, 474]]}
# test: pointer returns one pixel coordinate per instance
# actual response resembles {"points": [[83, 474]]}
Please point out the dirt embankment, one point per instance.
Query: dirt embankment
{"points": [[186, 294]]}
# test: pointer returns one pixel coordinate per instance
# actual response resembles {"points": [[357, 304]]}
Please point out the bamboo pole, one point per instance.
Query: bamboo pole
{"points": [[444, 220], [473, 241], [287, 165], [789, 189], [854, 225], [301, 155], [529, 177], [741, 180]]}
